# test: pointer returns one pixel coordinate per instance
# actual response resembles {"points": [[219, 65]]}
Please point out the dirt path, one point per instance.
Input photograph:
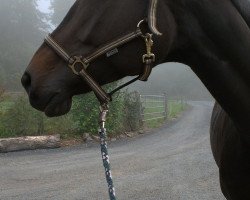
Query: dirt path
{"points": [[175, 162]]}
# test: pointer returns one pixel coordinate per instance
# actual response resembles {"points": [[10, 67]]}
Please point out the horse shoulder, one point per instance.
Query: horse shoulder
{"points": [[231, 155]]}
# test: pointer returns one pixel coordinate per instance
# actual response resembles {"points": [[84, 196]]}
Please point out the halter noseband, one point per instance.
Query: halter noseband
{"points": [[79, 64]]}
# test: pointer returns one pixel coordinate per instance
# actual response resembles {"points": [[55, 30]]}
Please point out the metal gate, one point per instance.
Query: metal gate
{"points": [[153, 107]]}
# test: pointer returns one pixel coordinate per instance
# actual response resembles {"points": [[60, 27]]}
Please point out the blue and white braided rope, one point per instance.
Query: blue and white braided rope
{"points": [[105, 156], [106, 163]]}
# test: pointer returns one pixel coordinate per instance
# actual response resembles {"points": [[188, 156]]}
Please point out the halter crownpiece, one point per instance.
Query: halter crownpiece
{"points": [[152, 17]]}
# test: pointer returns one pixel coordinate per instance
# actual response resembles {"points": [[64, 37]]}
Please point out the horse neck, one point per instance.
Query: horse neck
{"points": [[219, 61]]}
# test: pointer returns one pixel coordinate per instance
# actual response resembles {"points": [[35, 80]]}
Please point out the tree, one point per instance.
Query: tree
{"points": [[60, 9], [22, 27]]}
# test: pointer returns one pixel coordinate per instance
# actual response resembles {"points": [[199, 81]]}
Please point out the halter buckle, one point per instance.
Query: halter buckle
{"points": [[148, 56], [77, 64], [149, 44]]}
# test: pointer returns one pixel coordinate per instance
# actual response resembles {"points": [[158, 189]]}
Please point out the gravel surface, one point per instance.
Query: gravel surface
{"points": [[172, 162]]}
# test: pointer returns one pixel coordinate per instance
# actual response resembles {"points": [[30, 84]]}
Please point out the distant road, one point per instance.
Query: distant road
{"points": [[172, 163]]}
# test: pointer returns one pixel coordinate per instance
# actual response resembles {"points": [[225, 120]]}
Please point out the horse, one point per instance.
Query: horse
{"points": [[211, 37]]}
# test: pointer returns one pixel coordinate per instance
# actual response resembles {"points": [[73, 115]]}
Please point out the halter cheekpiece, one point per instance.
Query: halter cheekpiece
{"points": [[79, 64]]}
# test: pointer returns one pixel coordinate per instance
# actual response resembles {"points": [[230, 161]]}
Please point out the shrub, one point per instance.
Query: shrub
{"points": [[18, 118], [85, 112], [1, 93], [21, 119], [132, 105]]}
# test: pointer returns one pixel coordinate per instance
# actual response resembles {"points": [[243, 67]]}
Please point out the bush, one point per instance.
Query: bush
{"points": [[1, 93], [20, 119], [132, 107], [85, 113]]}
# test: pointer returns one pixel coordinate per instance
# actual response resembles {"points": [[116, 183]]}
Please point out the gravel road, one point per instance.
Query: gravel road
{"points": [[173, 162]]}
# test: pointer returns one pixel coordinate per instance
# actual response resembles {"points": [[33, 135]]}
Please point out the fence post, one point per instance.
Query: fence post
{"points": [[139, 98], [165, 105]]}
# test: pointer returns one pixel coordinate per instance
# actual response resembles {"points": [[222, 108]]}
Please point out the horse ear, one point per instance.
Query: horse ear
{"points": [[152, 17]]}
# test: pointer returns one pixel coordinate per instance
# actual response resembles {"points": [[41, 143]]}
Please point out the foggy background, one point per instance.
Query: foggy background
{"points": [[23, 25]]}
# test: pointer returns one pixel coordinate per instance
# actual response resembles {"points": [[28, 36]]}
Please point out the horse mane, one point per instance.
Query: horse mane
{"points": [[243, 7]]}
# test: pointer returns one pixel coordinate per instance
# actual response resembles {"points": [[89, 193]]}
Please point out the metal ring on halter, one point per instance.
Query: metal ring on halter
{"points": [[143, 34], [79, 64], [140, 22], [78, 60]]}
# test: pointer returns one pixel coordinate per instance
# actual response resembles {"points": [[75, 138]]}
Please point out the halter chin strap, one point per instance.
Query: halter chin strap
{"points": [[80, 64]]}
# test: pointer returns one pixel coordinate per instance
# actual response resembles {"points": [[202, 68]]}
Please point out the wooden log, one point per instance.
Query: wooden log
{"points": [[29, 143]]}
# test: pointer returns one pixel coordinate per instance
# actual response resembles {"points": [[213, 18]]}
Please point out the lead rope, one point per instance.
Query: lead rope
{"points": [[148, 59], [104, 150]]}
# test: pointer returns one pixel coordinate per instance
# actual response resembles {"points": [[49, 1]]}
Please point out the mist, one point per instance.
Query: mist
{"points": [[178, 81], [23, 25]]}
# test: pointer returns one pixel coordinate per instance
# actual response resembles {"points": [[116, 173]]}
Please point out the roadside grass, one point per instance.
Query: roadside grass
{"points": [[19, 119], [5, 104], [175, 108], [154, 123]]}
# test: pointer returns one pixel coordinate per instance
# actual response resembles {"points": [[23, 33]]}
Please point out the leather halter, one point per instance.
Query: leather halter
{"points": [[79, 64], [152, 17]]}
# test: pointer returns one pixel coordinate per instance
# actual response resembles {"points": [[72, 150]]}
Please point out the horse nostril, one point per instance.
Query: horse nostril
{"points": [[26, 80]]}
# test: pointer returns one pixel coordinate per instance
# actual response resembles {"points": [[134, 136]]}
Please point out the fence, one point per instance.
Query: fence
{"points": [[153, 107]]}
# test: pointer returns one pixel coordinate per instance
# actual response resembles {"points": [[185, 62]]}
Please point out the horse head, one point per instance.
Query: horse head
{"points": [[88, 25], [212, 37]]}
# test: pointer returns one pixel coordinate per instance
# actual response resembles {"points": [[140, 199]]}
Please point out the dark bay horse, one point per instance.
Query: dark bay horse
{"points": [[210, 36]]}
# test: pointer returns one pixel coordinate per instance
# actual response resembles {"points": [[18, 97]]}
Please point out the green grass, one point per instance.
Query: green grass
{"points": [[155, 123], [5, 105], [17, 118], [174, 110], [65, 125]]}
